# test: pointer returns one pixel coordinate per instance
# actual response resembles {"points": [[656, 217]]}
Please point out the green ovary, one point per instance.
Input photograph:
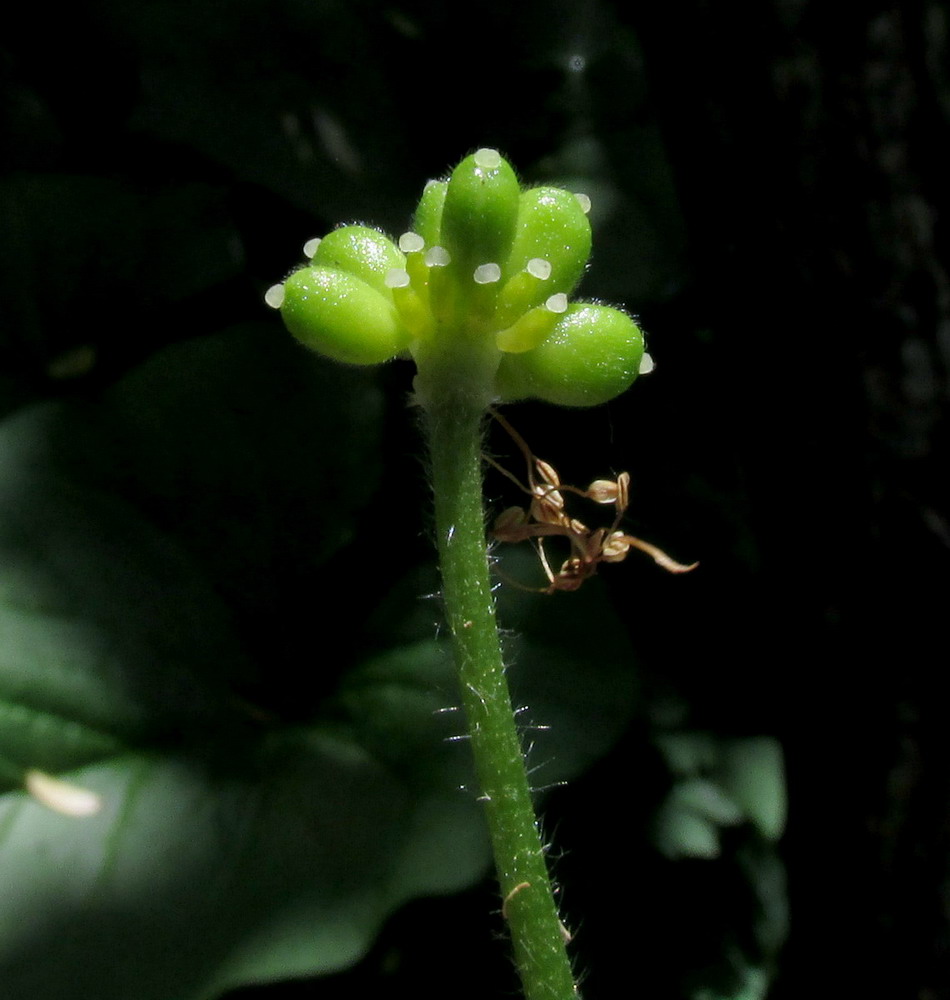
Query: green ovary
{"points": [[552, 226], [341, 316], [427, 221], [480, 212], [362, 252], [592, 355]]}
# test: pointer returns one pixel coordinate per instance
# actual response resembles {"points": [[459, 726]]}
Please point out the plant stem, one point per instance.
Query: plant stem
{"points": [[454, 422]]}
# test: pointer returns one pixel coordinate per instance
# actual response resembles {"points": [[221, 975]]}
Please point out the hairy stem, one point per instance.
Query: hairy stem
{"points": [[455, 424]]}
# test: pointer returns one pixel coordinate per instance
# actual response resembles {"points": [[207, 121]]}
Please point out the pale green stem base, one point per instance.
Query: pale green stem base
{"points": [[454, 422]]}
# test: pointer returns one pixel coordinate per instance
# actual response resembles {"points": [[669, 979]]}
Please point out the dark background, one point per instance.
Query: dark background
{"points": [[770, 196]]}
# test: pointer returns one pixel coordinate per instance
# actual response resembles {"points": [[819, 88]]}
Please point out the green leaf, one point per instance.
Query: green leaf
{"points": [[572, 669], [231, 847], [753, 773], [169, 642], [683, 832], [204, 871], [707, 799], [83, 254]]}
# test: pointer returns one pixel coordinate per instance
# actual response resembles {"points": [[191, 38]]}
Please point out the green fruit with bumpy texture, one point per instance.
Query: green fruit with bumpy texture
{"points": [[341, 316], [480, 212], [363, 252], [592, 355]]}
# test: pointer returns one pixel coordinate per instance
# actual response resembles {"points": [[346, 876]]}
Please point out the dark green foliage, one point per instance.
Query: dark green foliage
{"points": [[184, 633]]}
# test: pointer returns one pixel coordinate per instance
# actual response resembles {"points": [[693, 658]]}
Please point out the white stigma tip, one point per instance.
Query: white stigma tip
{"points": [[646, 365], [487, 159], [396, 277], [437, 257], [310, 247], [61, 796], [274, 296], [411, 242], [539, 268], [487, 274], [584, 202], [556, 303]]}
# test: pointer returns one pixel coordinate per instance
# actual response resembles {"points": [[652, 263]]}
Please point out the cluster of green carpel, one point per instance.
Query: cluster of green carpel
{"points": [[485, 263]]}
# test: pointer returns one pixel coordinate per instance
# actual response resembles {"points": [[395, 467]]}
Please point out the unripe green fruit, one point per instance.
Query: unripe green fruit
{"points": [[552, 226], [341, 316], [480, 212], [363, 252], [485, 273], [427, 221], [592, 355]]}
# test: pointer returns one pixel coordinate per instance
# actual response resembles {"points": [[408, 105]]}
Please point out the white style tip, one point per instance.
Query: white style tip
{"points": [[538, 267], [437, 257], [557, 303], [584, 201], [274, 296], [487, 159], [487, 274], [411, 242], [396, 277], [310, 247], [646, 365]]}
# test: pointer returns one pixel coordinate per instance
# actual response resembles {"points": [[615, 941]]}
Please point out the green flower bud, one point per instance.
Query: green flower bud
{"points": [[480, 212], [363, 252], [592, 355], [341, 316]]}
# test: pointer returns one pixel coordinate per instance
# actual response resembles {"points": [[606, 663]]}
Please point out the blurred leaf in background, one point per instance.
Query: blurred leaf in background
{"points": [[177, 638]]}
